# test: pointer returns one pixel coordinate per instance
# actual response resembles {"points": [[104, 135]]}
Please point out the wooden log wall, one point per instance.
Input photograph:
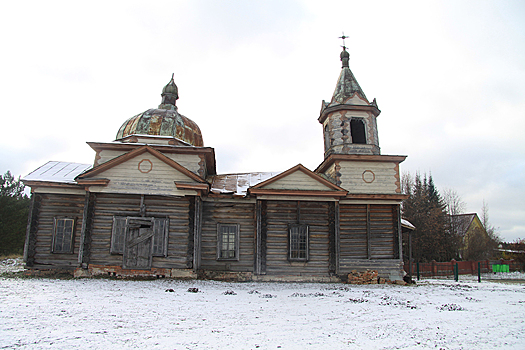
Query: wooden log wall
{"points": [[51, 206], [353, 231], [177, 209], [109, 205], [368, 232], [381, 232], [242, 213], [313, 214]]}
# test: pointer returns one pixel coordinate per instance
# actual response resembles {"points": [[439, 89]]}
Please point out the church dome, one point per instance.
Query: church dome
{"points": [[164, 121]]}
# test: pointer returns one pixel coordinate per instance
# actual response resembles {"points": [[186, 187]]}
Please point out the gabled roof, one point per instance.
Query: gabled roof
{"points": [[462, 222], [138, 151], [207, 152], [321, 186], [52, 171]]}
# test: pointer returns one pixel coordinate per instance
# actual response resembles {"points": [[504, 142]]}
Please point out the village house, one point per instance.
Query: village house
{"points": [[152, 204]]}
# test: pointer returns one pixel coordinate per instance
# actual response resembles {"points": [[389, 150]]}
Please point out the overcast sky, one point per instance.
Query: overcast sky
{"points": [[449, 78]]}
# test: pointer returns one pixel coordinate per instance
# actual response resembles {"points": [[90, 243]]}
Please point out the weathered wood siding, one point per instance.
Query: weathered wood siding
{"points": [[385, 182], [313, 214], [353, 232], [381, 232], [109, 205], [368, 236], [127, 178], [51, 206], [228, 213], [297, 181]]}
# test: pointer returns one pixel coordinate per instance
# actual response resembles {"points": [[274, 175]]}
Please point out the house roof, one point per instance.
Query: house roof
{"points": [[461, 222], [52, 171]]}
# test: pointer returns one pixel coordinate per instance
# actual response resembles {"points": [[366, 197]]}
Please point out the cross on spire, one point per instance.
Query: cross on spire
{"points": [[344, 37]]}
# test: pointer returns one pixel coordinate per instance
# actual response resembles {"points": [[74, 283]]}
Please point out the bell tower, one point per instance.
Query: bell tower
{"points": [[349, 119]]}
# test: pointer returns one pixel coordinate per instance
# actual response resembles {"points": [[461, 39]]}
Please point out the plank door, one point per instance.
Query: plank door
{"points": [[138, 244]]}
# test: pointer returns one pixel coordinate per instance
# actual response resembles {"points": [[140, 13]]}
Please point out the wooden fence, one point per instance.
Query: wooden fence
{"points": [[434, 268]]}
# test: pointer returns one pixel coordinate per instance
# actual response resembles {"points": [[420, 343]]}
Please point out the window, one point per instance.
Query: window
{"points": [[298, 242], [228, 241], [357, 129], [63, 235], [160, 235]]}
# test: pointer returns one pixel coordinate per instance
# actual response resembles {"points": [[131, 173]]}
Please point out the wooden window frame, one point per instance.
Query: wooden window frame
{"points": [[118, 247], [292, 245], [236, 242], [54, 242]]}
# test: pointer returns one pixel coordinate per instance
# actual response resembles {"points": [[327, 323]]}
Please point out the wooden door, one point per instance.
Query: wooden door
{"points": [[138, 244]]}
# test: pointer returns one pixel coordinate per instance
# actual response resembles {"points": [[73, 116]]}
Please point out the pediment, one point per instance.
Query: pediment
{"points": [[145, 171], [298, 180]]}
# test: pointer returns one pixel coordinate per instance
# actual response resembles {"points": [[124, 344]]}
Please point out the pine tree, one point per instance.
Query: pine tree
{"points": [[14, 208], [425, 209]]}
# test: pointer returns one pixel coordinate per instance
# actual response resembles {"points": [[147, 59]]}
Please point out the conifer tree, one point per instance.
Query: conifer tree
{"points": [[14, 208], [425, 209]]}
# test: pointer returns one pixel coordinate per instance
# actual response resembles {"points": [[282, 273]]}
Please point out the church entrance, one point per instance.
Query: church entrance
{"points": [[138, 243]]}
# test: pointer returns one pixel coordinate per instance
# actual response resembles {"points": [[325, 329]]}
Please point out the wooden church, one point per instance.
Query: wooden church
{"points": [[152, 204]]}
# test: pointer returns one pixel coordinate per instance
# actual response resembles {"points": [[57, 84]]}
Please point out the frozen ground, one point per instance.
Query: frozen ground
{"points": [[162, 314]]}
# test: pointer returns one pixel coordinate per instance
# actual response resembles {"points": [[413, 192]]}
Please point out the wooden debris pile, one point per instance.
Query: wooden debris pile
{"points": [[366, 277]]}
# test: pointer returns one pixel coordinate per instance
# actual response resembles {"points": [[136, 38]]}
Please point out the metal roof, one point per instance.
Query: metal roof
{"points": [[52, 171]]}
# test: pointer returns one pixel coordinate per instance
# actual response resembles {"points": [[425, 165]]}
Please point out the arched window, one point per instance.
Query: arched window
{"points": [[357, 129]]}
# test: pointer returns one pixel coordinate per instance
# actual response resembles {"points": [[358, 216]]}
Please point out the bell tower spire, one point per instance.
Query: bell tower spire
{"points": [[349, 119]]}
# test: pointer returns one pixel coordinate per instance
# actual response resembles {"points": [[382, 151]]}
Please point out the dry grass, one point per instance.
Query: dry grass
{"points": [[10, 256]]}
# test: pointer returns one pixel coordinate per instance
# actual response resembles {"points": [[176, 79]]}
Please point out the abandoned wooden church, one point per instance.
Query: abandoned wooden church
{"points": [[152, 204]]}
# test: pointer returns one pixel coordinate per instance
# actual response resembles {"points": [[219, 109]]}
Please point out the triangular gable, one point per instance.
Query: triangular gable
{"points": [[356, 99], [298, 181], [135, 153]]}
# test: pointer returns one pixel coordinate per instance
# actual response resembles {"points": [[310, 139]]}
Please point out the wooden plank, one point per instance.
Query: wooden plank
{"points": [[87, 227]]}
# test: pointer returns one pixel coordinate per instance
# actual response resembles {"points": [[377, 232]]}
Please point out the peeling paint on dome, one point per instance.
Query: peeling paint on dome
{"points": [[162, 122]]}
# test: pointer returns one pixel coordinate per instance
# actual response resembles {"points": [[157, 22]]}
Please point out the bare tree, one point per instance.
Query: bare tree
{"points": [[454, 205], [492, 232]]}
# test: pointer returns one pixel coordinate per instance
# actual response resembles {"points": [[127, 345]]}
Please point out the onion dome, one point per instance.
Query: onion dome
{"points": [[164, 121]]}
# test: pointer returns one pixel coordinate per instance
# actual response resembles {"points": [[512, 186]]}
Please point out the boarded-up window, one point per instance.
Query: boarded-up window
{"points": [[63, 235], [298, 242], [160, 238], [228, 241]]}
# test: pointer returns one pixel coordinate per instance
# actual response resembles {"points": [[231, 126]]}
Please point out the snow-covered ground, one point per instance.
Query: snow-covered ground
{"points": [[39, 313]]}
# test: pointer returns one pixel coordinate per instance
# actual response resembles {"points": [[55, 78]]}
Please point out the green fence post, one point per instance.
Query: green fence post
{"points": [[456, 272], [417, 268], [479, 272]]}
